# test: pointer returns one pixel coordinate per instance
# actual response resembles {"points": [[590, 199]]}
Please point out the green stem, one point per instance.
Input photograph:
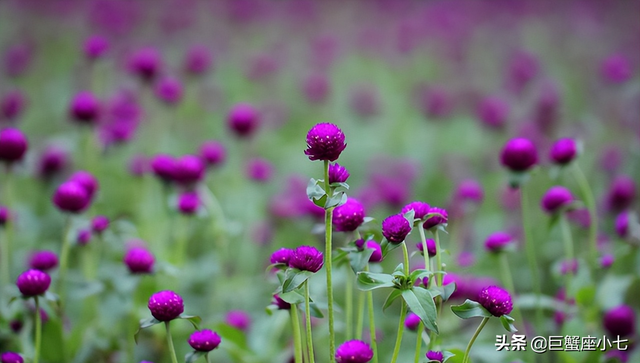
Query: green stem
{"points": [[372, 322], [307, 315], [5, 244], [349, 305], [328, 217], [568, 249], [297, 337], [531, 253], [182, 243], [206, 358], [508, 283], [396, 350], [473, 339], [438, 267], [38, 338], [360, 317], [405, 254], [438, 278], [172, 350], [64, 260], [416, 358], [425, 249], [587, 194]]}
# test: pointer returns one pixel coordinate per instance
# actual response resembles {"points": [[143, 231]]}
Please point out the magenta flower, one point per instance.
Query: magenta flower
{"points": [[84, 237], [376, 256], [85, 108], [281, 304], [95, 47], [307, 258], [146, 63], [519, 155], [87, 181], [259, 170], [354, 351], [164, 167], [243, 120], [204, 340], [470, 190], [440, 217], [420, 209], [282, 255], [12, 105], [5, 215], [33, 282], [556, 198], [13, 145], [11, 357], [188, 203], [497, 241], [189, 169], [412, 321], [238, 319], [165, 305], [620, 321], [431, 247], [139, 260], [213, 153], [51, 162], [316, 88], [496, 300], [435, 356], [198, 60], [616, 69], [622, 193], [169, 90], [43, 260], [493, 112], [395, 228], [622, 224], [563, 151], [337, 173], [325, 141], [99, 224], [349, 216], [71, 197]]}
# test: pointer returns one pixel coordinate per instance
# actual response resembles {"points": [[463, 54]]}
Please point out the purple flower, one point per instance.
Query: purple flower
{"points": [[440, 217], [523, 67], [166, 305], [213, 153], [412, 321], [243, 119], [376, 256], [204, 340], [189, 169], [325, 141], [43, 260], [281, 304], [188, 203], [13, 145], [493, 112], [259, 170], [138, 165], [519, 154], [85, 108], [436, 102], [282, 255], [33, 282], [470, 190], [569, 267], [620, 320], [198, 60], [95, 46], [11, 357], [555, 199], [164, 167], [146, 63], [431, 247], [139, 260], [435, 355], [316, 88], [99, 224], [238, 319], [395, 228], [12, 105], [84, 236], [5, 215], [17, 59], [51, 162], [169, 90], [306, 258], [349, 216], [354, 351], [71, 197], [497, 241], [87, 181], [496, 300], [616, 69], [364, 101], [622, 224], [607, 260], [563, 151], [621, 194], [337, 173], [420, 209]]}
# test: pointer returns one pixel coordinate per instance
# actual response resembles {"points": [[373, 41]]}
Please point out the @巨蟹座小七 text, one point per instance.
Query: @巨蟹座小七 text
{"points": [[567, 343]]}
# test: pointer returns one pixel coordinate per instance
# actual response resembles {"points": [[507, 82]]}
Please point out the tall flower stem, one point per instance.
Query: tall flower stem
{"points": [[349, 305], [64, 259], [405, 254], [360, 317], [5, 243], [328, 217], [473, 339], [307, 315], [425, 249], [297, 337], [531, 253], [587, 194], [172, 350], [396, 350], [568, 250], [438, 267], [505, 271], [206, 358], [437, 278], [38, 338], [372, 323], [416, 358]]}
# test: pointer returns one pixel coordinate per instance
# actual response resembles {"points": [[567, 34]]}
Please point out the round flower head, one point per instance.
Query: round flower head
{"points": [[5, 215], [376, 256], [188, 203], [569, 267], [189, 169], [243, 119], [84, 237], [519, 154], [204, 340], [493, 112], [85, 108], [497, 241], [138, 165], [412, 321], [470, 190], [165, 305], [563, 151], [435, 356], [71, 197], [440, 217], [52, 161], [146, 63], [43, 260], [282, 255], [213, 153], [622, 224], [95, 47], [555, 199], [11, 357], [33, 282], [12, 105], [325, 141], [198, 60], [338, 173], [87, 181], [606, 261], [139, 260], [169, 90], [259, 170], [395, 228], [621, 193], [431, 247], [496, 300], [354, 351], [349, 216], [238, 319], [281, 304], [13, 145], [99, 224], [316, 88], [620, 321], [306, 258], [164, 167], [616, 69], [420, 209], [17, 59]]}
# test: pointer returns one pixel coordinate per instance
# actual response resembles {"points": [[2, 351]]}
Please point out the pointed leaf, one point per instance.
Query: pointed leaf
{"points": [[232, 335], [388, 247], [470, 309], [145, 323], [446, 355], [193, 319], [449, 289], [193, 356], [336, 200], [294, 278], [507, 323], [395, 293], [418, 274], [421, 303], [360, 259], [370, 281], [314, 190], [293, 297], [315, 310]]}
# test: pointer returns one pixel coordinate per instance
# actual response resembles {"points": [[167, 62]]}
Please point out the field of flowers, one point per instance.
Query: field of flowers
{"points": [[255, 181]]}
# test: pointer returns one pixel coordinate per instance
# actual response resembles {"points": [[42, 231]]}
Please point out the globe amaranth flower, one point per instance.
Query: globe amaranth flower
{"points": [[259, 170], [99, 224], [621, 194], [146, 63], [337, 173], [620, 321], [496, 300], [87, 181], [33, 282], [198, 60], [325, 141], [556, 198], [354, 351], [433, 355], [616, 69], [431, 247], [13, 145], [11, 357], [12, 105], [95, 47], [189, 169], [316, 88], [607, 260], [281, 304], [243, 119], [204, 340], [85, 108], [164, 167], [84, 237], [440, 217], [470, 190], [166, 305], [139, 260], [519, 154], [5, 215], [622, 224], [569, 267], [213, 153], [349, 216], [493, 112], [43, 260], [376, 256], [71, 197], [497, 241], [395, 228], [238, 319], [412, 321], [52, 161], [307, 258], [563, 151], [188, 203], [282, 255], [169, 90], [420, 209]]}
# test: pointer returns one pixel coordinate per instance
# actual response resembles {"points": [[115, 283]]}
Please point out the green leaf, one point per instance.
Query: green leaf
{"points": [[395, 293], [340, 256], [315, 310], [398, 271], [145, 323], [507, 323], [586, 296], [367, 220], [418, 274], [370, 281], [336, 200], [470, 309], [339, 187], [421, 303], [410, 216], [314, 190], [193, 319], [294, 278], [359, 259], [52, 347], [293, 297], [193, 356], [453, 355], [446, 355], [232, 335], [449, 289], [388, 247]]}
